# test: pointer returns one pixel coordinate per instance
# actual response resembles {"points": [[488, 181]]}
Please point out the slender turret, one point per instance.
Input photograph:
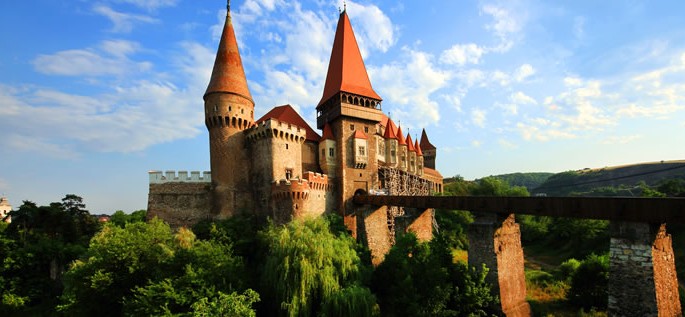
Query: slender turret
{"points": [[229, 110]]}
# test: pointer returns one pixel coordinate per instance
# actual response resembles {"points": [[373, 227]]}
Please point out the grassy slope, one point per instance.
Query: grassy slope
{"points": [[584, 180]]}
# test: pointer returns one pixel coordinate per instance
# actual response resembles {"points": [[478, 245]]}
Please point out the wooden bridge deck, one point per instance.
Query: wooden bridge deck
{"points": [[653, 210]]}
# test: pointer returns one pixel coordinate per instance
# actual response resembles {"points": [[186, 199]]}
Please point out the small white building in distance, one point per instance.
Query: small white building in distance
{"points": [[5, 209]]}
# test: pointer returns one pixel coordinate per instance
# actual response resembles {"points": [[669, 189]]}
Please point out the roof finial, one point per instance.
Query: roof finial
{"points": [[228, 5], [344, 6]]}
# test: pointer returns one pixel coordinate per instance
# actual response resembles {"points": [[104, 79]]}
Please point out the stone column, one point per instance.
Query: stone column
{"points": [[496, 242], [642, 276]]}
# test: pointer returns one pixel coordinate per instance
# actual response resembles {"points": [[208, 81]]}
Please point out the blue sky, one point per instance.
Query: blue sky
{"points": [[93, 94]]}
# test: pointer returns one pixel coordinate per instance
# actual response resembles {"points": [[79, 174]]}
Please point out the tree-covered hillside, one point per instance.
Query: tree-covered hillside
{"points": [[627, 180]]}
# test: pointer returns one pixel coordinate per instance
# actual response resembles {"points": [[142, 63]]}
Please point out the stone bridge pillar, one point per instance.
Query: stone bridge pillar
{"points": [[642, 276], [496, 242]]}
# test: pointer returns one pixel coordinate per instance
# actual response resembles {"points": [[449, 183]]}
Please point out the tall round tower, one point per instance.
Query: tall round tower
{"points": [[229, 110]]}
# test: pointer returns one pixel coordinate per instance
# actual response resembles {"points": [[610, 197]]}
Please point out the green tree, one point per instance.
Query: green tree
{"points": [[309, 271], [590, 282], [144, 269], [36, 247], [420, 279], [121, 218]]}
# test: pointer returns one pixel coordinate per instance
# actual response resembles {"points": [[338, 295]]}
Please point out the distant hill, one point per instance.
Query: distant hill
{"points": [[619, 179], [528, 180]]}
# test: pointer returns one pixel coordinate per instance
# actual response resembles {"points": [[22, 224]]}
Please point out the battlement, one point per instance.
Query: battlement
{"points": [[159, 177], [273, 128], [317, 181], [293, 189]]}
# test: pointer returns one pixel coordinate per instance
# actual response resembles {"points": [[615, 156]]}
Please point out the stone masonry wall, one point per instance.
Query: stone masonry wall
{"points": [[642, 278], [375, 233], [180, 204], [497, 244]]}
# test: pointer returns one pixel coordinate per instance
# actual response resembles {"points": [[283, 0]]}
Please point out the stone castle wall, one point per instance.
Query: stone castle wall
{"points": [[180, 199]]}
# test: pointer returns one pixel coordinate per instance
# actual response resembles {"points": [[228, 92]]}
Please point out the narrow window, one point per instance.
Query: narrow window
{"points": [[362, 151], [286, 146], [331, 152], [288, 173], [351, 127], [323, 152], [366, 130], [229, 108]]}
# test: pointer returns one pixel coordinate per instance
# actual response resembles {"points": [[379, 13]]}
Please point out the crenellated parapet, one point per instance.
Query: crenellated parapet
{"points": [[318, 181], [160, 177], [273, 128], [295, 189]]}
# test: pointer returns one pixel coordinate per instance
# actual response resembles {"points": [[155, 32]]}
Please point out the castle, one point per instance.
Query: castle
{"points": [[279, 166]]}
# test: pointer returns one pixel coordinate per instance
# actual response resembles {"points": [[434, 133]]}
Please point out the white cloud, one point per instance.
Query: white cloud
{"points": [[123, 22], [461, 54], [111, 58], [505, 26], [410, 83], [476, 143], [478, 117], [373, 29], [520, 98], [523, 72], [125, 118]]}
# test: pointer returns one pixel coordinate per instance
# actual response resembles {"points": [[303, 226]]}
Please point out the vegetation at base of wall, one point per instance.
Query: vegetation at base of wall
{"points": [[573, 288], [242, 266], [421, 279]]}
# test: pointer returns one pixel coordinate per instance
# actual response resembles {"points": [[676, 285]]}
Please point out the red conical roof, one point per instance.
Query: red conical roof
{"points": [[327, 133], [228, 75], [287, 114], [346, 70], [418, 148], [390, 130], [400, 137], [425, 144], [358, 134], [410, 144]]}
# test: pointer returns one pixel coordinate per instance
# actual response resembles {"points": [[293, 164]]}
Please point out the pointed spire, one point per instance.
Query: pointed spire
{"points": [[390, 130], [346, 70], [425, 144], [400, 137], [418, 148], [327, 133], [228, 75], [410, 144]]}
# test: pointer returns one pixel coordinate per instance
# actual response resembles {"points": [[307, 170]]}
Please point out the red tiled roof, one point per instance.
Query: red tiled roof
{"points": [[418, 148], [425, 144], [358, 134], [384, 120], [432, 172], [286, 113], [390, 130], [228, 74], [327, 133], [346, 70], [410, 144], [400, 137]]}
